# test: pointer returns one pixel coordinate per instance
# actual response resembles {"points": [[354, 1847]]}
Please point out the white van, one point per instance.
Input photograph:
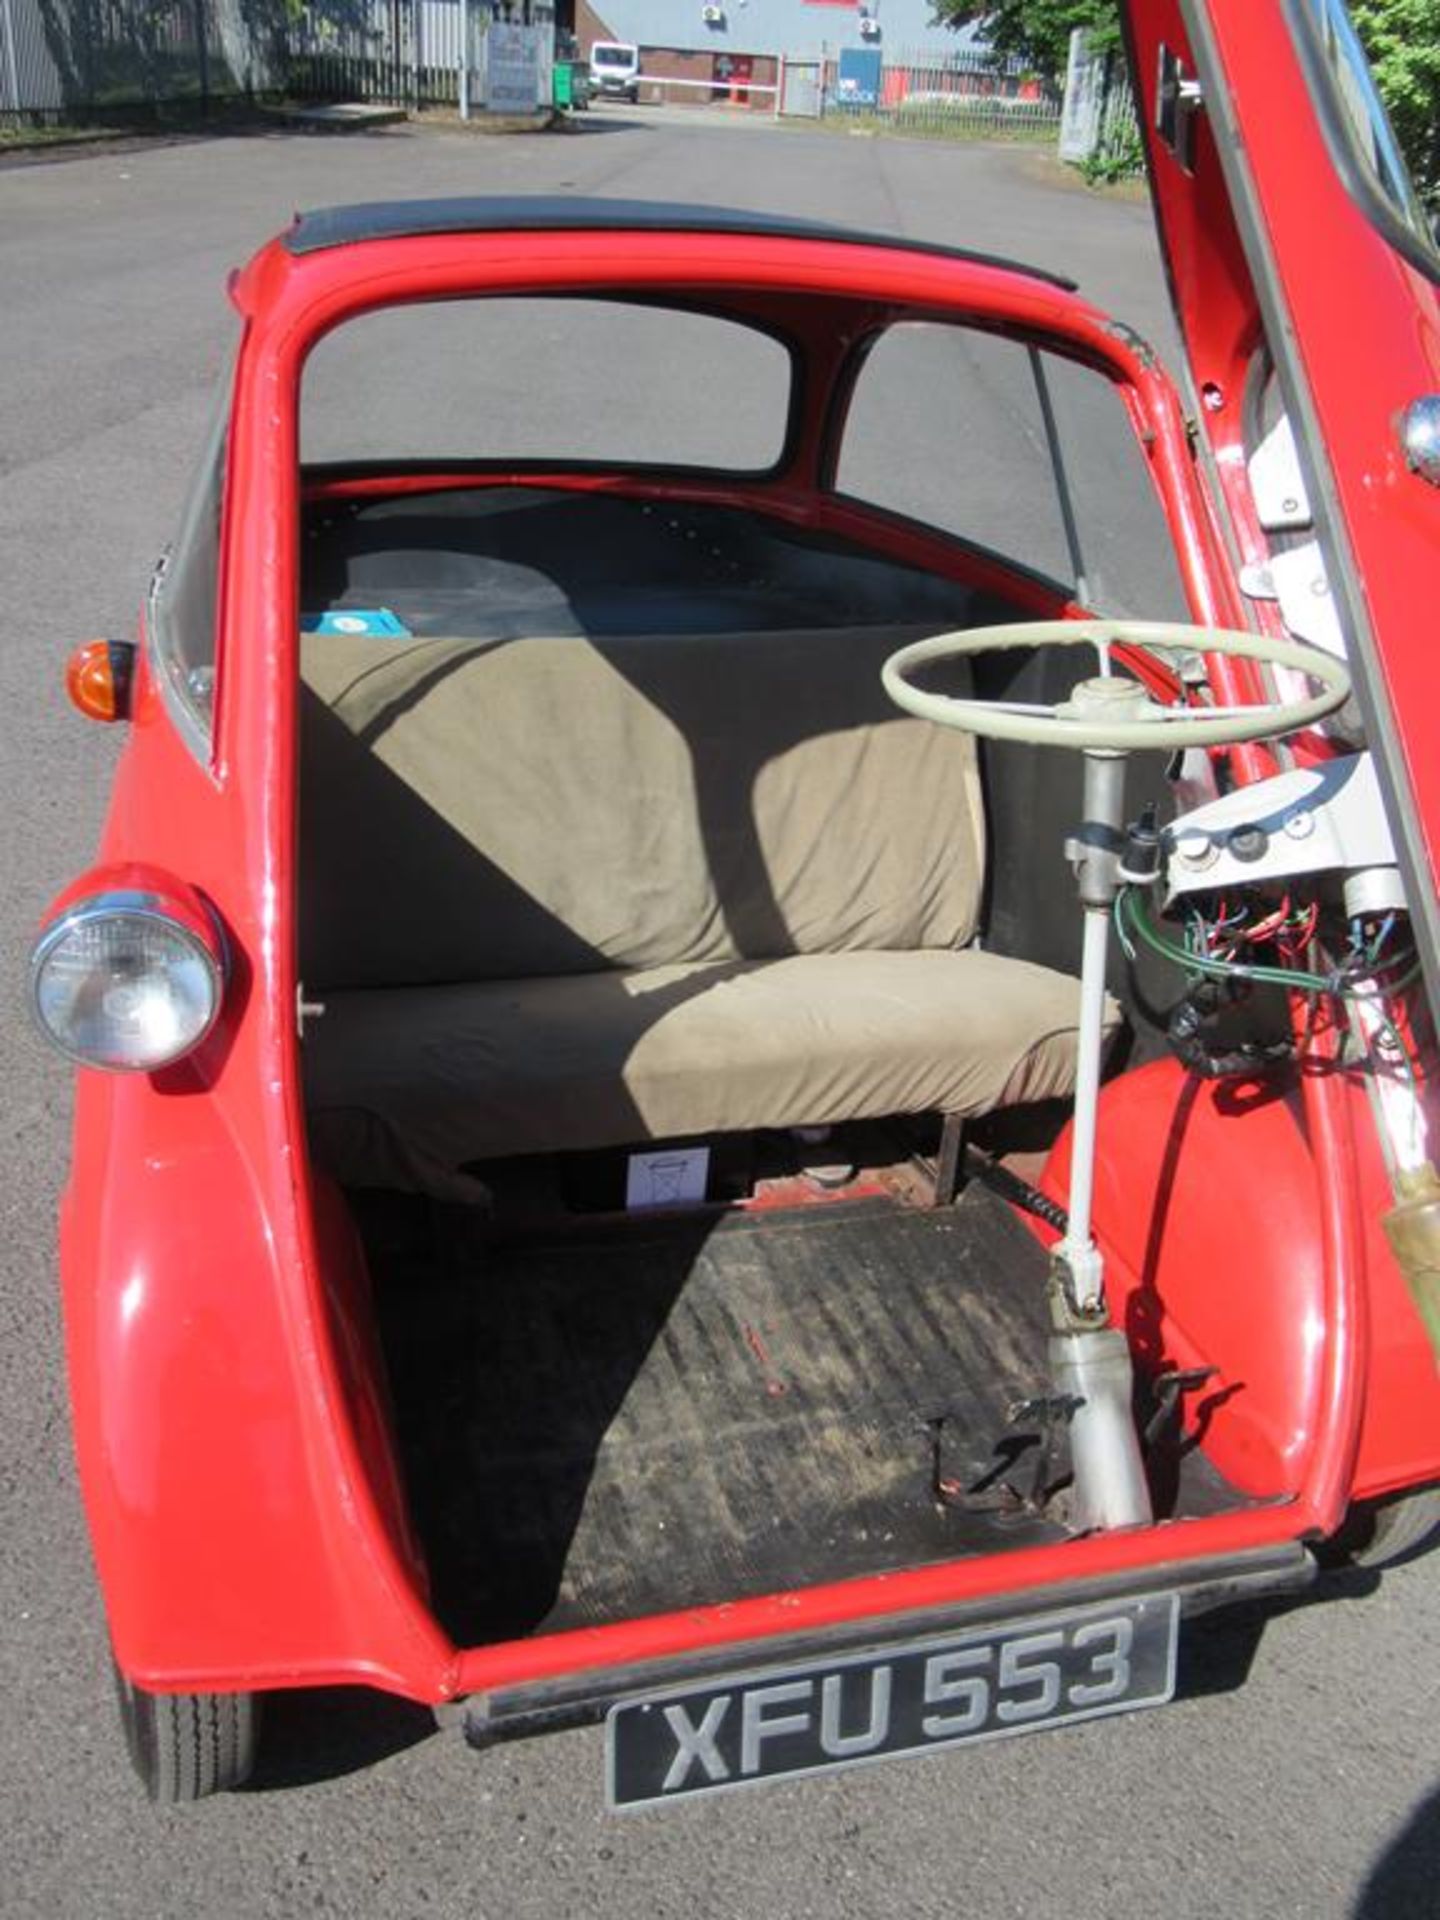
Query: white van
{"points": [[615, 70]]}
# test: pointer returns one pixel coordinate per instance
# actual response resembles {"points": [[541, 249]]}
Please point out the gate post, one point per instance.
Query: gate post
{"points": [[202, 54]]}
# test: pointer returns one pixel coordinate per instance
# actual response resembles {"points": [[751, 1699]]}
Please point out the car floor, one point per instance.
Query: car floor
{"points": [[630, 1416]]}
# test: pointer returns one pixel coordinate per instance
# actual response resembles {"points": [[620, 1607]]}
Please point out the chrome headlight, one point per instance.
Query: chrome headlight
{"points": [[129, 981]]}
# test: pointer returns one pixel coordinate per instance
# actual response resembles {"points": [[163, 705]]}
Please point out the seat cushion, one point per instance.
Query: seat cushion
{"points": [[407, 1085], [490, 811]]}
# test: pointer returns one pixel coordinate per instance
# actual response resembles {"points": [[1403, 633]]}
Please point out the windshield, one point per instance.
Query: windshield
{"points": [[184, 594], [613, 56]]}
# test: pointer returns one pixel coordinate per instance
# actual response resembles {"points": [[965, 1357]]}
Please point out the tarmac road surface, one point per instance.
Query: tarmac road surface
{"points": [[1295, 1775]]}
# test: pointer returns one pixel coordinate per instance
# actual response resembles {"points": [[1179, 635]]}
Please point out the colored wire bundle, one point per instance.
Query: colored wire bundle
{"points": [[1363, 977], [1212, 949]]}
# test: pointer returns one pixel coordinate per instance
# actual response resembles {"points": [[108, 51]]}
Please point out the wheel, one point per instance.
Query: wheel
{"points": [[1134, 720], [1381, 1533], [187, 1745]]}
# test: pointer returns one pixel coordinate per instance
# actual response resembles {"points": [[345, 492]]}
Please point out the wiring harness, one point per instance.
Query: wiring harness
{"points": [[1229, 946]]}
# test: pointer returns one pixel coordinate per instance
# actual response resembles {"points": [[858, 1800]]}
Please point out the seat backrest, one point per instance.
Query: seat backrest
{"points": [[488, 810]]}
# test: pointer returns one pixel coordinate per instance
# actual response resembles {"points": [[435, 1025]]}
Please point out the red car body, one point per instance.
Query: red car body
{"points": [[251, 1524]]}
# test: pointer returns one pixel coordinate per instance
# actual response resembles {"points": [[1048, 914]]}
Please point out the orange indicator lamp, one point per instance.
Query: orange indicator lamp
{"points": [[98, 676]]}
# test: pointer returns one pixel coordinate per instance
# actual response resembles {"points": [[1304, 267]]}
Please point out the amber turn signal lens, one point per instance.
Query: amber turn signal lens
{"points": [[97, 679]]}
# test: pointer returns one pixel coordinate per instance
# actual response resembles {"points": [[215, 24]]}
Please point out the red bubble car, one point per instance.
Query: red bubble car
{"points": [[755, 1022]]}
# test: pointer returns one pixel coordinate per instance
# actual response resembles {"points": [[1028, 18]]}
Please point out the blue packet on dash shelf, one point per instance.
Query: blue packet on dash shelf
{"points": [[366, 623]]}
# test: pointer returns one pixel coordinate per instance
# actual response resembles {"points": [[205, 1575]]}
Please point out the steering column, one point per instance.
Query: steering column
{"points": [[1105, 719]]}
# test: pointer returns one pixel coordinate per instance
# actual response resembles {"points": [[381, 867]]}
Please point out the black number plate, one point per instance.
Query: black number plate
{"points": [[1042, 1672]]}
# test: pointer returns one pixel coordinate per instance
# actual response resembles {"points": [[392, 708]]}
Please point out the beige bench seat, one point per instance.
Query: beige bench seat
{"points": [[446, 1075], [569, 893]]}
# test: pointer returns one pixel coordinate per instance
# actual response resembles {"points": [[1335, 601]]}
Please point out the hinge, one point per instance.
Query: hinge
{"points": [[1177, 101]]}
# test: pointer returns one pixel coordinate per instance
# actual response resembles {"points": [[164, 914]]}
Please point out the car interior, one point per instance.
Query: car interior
{"points": [[689, 1024]]}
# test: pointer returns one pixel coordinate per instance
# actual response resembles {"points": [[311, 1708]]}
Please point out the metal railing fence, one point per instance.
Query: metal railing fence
{"points": [[85, 59], [406, 52], [102, 59], [974, 116]]}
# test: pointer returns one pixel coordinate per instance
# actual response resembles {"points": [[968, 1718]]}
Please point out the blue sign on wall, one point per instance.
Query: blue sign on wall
{"points": [[859, 78]]}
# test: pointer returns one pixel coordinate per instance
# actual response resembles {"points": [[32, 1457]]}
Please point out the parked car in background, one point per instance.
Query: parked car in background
{"points": [[615, 71], [756, 1020]]}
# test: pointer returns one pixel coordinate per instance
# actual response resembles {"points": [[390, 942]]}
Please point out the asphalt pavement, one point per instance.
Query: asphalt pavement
{"points": [[1296, 1773]]}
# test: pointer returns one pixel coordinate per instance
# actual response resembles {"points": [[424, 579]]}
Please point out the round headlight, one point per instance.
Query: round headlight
{"points": [[119, 982]]}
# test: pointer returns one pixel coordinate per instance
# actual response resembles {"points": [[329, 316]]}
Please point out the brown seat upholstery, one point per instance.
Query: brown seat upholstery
{"points": [[562, 893]]}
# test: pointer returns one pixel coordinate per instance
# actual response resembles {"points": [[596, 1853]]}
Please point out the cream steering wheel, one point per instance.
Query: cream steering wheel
{"points": [[1138, 721]]}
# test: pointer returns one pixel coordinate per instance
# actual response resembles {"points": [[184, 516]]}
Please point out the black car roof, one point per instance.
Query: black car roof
{"points": [[538, 213]]}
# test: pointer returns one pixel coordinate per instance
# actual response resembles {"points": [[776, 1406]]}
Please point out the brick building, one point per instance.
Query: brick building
{"points": [[728, 52]]}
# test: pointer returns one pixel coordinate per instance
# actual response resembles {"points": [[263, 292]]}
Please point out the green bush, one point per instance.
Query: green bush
{"points": [[1119, 156]]}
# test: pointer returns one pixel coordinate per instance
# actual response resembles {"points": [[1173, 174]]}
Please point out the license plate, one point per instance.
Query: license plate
{"points": [[1043, 1672]]}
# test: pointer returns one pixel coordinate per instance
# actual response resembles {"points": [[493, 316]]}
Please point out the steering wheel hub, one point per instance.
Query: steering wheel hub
{"points": [[1117, 721], [1105, 699]]}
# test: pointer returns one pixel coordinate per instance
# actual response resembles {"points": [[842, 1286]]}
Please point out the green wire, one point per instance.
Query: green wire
{"points": [[1131, 918]]}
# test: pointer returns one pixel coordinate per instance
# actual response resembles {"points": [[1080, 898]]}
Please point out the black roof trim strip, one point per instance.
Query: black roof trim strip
{"points": [[535, 213]]}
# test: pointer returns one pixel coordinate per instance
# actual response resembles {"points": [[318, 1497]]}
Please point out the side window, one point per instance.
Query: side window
{"points": [[1125, 556], [1355, 114], [184, 597], [1021, 452], [945, 427]]}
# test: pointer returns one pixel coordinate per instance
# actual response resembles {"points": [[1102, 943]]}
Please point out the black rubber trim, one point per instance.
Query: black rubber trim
{"points": [[576, 1698], [539, 213]]}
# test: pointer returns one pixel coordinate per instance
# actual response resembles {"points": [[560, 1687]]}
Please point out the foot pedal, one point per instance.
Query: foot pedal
{"points": [[1168, 1389], [1019, 1480]]}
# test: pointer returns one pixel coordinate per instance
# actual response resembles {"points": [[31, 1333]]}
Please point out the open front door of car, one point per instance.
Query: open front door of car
{"points": [[1304, 276]]}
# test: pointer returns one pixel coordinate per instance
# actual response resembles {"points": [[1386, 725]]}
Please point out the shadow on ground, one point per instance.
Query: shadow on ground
{"points": [[1217, 1651], [326, 1733], [137, 131], [50, 146], [1403, 1883]]}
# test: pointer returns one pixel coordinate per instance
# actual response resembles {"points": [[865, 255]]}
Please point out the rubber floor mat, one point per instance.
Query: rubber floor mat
{"points": [[680, 1411]]}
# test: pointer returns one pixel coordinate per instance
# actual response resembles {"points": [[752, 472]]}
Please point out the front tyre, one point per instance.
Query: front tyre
{"points": [[187, 1745], [1379, 1533]]}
